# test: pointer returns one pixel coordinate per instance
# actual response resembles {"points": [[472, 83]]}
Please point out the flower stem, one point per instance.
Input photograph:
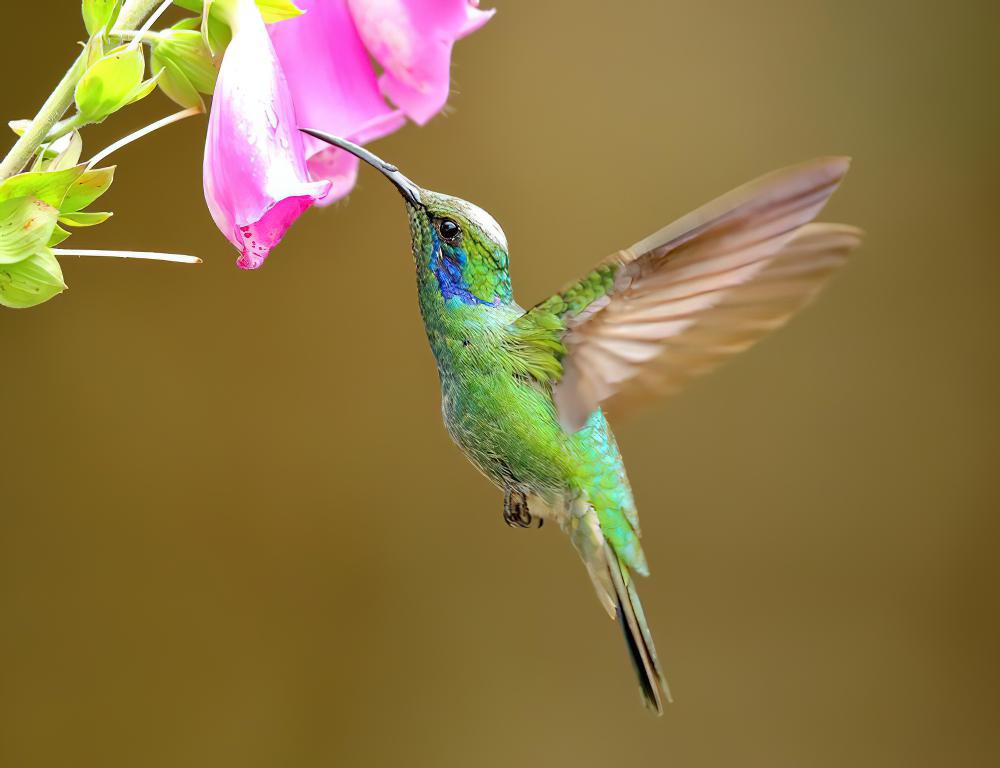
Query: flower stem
{"points": [[132, 15], [47, 116], [146, 37], [63, 127]]}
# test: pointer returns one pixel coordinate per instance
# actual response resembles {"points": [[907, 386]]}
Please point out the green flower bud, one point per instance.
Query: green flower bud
{"points": [[185, 65], [111, 82], [99, 14], [31, 281]]}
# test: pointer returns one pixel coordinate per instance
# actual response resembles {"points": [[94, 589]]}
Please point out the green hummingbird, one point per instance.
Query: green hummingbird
{"points": [[524, 393]]}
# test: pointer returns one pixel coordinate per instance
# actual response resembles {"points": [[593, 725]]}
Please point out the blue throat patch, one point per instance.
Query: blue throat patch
{"points": [[449, 276]]}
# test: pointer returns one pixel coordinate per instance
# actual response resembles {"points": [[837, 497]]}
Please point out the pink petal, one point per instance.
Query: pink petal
{"points": [[412, 40], [474, 19], [336, 166], [255, 178], [333, 87]]}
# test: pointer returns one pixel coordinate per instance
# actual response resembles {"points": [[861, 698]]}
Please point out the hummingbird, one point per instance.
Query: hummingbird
{"points": [[525, 393]]}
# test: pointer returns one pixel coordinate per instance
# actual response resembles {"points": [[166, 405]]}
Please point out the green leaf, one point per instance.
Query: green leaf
{"points": [[58, 235], [87, 188], [110, 83], [26, 224], [32, 281], [84, 219], [50, 187], [98, 14]]}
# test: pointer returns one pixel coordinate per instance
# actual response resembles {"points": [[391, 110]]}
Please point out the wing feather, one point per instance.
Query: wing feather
{"points": [[678, 302], [743, 316]]}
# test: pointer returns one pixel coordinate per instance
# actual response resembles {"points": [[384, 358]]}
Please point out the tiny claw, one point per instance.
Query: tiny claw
{"points": [[515, 510]]}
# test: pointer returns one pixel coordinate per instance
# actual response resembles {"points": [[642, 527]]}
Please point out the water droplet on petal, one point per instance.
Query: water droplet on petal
{"points": [[272, 118]]}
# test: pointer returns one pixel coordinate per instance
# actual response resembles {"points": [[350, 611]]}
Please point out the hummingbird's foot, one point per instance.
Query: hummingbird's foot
{"points": [[515, 510]]}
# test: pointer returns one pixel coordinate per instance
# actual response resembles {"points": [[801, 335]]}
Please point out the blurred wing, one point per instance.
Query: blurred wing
{"points": [[679, 302], [743, 316]]}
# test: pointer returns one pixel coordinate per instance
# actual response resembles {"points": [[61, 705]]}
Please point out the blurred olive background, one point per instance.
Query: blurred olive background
{"points": [[235, 533]]}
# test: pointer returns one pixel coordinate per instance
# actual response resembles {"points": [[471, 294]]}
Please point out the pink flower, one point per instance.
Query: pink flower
{"points": [[256, 183], [333, 85], [315, 71], [412, 40]]}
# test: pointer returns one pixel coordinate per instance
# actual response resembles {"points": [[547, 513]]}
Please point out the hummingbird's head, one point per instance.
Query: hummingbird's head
{"points": [[458, 247]]}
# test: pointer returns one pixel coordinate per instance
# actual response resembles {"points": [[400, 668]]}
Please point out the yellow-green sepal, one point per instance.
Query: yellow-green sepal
{"points": [[58, 235], [175, 84], [278, 10], [270, 10], [84, 218], [51, 187], [89, 186], [217, 15], [145, 88], [65, 192], [26, 224], [68, 150]]}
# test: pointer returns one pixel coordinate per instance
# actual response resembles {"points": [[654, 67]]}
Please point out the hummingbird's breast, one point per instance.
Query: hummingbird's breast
{"points": [[504, 423]]}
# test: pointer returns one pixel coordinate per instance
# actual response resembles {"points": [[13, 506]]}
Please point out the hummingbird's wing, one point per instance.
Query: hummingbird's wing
{"points": [[681, 301]]}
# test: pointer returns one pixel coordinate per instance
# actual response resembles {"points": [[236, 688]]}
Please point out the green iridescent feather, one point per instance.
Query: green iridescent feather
{"points": [[536, 336]]}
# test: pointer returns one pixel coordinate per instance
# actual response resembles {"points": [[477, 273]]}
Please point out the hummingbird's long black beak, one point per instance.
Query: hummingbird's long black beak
{"points": [[409, 190]]}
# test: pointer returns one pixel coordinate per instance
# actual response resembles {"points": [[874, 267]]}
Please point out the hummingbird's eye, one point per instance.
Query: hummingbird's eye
{"points": [[449, 230]]}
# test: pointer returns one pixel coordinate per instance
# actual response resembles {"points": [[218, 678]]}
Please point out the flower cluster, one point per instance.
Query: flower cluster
{"points": [[316, 70]]}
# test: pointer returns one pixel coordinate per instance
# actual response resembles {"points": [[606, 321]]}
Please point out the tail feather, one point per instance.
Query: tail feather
{"points": [[613, 583], [632, 620]]}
